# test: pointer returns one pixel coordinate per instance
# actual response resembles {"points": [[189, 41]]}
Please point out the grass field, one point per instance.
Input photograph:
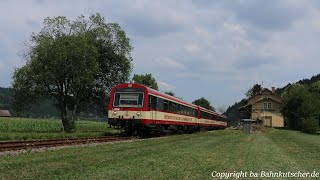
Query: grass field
{"points": [[24, 128], [193, 156]]}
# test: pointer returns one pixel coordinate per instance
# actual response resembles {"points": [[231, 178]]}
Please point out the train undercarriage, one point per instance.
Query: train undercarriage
{"points": [[135, 127]]}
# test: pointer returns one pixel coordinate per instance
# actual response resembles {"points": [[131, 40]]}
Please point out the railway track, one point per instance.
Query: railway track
{"points": [[19, 145]]}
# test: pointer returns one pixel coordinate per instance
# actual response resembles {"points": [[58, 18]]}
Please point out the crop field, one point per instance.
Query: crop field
{"points": [[24, 128], [195, 156]]}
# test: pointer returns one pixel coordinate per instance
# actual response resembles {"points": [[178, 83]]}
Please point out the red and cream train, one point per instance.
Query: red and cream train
{"points": [[136, 107]]}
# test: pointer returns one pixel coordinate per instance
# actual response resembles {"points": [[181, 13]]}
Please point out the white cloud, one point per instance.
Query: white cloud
{"points": [[163, 86], [234, 28], [2, 66], [168, 62], [192, 48]]}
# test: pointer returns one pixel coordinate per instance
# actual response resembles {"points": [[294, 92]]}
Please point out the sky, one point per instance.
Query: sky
{"points": [[215, 49]]}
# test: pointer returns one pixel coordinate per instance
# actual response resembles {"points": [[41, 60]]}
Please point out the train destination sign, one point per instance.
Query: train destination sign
{"points": [[178, 118]]}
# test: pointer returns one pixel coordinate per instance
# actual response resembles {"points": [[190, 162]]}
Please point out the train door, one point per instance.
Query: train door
{"points": [[153, 108], [160, 109], [198, 113], [155, 112]]}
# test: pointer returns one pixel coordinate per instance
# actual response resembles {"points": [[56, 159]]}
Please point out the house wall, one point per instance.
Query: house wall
{"points": [[259, 106], [262, 95], [271, 118], [277, 119]]}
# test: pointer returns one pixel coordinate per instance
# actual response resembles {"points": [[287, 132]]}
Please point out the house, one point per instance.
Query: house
{"points": [[264, 107], [5, 113]]}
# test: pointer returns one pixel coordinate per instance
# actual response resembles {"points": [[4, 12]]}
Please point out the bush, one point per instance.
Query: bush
{"points": [[310, 125]]}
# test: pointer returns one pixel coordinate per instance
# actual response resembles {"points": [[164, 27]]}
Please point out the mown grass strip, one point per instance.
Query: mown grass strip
{"points": [[177, 157]]}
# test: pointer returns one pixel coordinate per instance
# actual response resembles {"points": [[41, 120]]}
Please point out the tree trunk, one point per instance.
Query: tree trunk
{"points": [[67, 120]]}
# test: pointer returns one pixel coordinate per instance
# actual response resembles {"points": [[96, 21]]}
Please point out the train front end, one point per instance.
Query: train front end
{"points": [[127, 103]]}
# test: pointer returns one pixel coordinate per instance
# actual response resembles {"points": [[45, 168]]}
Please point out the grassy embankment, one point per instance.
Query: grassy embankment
{"points": [[193, 156], [23, 128]]}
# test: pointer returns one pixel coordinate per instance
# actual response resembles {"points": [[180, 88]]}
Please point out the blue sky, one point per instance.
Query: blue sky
{"points": [[215, 49]]}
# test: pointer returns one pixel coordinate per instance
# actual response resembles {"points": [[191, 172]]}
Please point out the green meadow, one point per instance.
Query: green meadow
{"points": [[190, 156]]}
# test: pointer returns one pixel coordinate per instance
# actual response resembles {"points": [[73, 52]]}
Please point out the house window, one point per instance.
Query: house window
{"points": [[267, 106]]}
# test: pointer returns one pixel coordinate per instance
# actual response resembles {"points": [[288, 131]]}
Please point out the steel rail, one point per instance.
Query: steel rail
{"points": [[18, 145]]}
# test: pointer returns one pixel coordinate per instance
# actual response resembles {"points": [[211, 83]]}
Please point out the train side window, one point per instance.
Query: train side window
{"points": [[160, 105], [177, 108], [215, 117], [165, 105], [174, 107], [152, 102], [186, 110], [170, 107], [205, 115], [190, 111], [182, 109]]}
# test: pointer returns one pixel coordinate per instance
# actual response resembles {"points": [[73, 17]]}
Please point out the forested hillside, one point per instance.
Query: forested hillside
{"points": [[6, 95], [307, 82], [44, 108]]}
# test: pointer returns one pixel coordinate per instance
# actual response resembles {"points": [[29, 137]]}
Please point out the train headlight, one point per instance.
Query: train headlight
{"points": [[138, 114], [114, 113]]}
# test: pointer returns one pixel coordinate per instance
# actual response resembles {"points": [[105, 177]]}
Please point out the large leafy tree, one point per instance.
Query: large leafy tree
{"points": [[75, 63], [203, 102], [300, 107], [311, 123], [146, 79], [295, 98]]}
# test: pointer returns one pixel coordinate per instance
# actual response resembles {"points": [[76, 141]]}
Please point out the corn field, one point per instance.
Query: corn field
{"points": [[30, 125], [26, 128]]}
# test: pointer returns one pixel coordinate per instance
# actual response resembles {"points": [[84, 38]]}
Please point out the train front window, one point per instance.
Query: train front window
{"points": [[126, 99]]}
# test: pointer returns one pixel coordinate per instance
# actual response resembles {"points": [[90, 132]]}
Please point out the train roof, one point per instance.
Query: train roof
{"points": [[212, 112], [164, 95]]}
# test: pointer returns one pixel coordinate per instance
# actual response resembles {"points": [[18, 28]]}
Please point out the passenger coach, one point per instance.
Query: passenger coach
{"points": [[136, 107]]}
